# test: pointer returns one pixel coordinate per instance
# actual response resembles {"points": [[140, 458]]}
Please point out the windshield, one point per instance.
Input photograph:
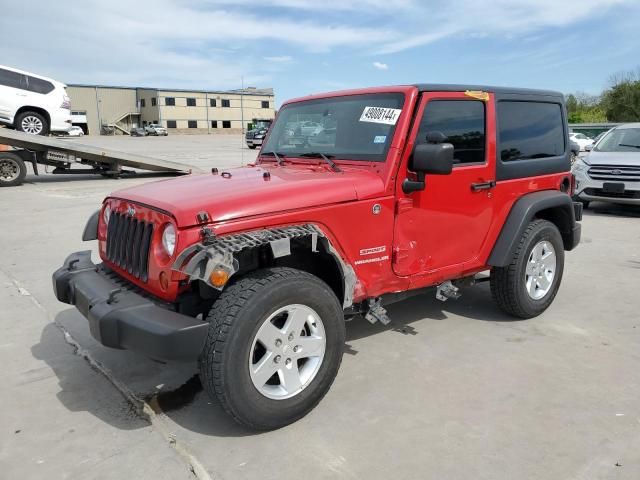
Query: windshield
{"points": [[357, 127], [620, 140]]}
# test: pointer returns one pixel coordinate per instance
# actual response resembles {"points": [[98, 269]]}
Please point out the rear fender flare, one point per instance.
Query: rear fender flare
{"points": [[551, 205]]}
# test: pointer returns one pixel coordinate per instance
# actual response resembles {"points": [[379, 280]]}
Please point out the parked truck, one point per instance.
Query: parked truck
{"points": [[252, 271]]}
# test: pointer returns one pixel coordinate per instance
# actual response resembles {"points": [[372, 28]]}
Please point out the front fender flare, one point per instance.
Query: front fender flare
{"points": [[200, 259]]}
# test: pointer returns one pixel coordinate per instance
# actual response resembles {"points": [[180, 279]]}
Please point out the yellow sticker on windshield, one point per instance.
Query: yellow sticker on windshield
{"points": [[479, 94]]}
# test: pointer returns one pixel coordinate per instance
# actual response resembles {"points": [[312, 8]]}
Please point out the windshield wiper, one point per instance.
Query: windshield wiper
{"points": [[278, 156], [628, 145], [326, 158]]}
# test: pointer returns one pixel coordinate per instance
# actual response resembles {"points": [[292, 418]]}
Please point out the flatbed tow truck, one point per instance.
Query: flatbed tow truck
{"points": [[63, 154]]}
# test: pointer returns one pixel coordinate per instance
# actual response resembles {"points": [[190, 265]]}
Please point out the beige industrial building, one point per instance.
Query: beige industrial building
{"points": [[116, 110]]}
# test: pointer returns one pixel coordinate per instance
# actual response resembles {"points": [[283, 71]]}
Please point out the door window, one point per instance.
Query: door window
{"points": [[462, 122], [12, 79]]}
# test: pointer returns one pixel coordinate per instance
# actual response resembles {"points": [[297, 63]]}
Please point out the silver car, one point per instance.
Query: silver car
{"points": [[611, 171]]}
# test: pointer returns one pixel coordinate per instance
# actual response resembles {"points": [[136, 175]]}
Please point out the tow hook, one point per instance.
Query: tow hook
{"points": [[447, 290]]}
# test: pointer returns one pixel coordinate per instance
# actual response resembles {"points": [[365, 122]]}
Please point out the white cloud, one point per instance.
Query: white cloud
{"points": [[213, 43], [482, 18], [279, 59]]}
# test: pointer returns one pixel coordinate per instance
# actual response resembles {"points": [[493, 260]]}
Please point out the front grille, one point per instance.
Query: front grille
{"points": [[619, 173], [599, 192], [128, 242]]}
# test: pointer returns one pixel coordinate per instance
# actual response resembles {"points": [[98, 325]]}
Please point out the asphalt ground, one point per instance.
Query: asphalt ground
{"points": [[453, 390]]}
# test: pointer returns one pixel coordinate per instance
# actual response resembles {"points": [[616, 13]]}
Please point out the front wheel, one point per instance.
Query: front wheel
{"points": [[526, 287], [274, 347], [12, 170]]}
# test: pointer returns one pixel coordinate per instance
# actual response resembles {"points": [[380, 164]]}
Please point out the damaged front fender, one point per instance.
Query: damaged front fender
{"points": [[199, 260]]}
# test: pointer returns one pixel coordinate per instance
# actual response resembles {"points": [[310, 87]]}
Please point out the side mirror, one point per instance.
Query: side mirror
{"points": [[429, 158], [433, 158], [588, 148]]}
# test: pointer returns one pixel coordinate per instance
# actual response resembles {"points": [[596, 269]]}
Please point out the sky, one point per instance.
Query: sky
{"points": [[300, 47]]}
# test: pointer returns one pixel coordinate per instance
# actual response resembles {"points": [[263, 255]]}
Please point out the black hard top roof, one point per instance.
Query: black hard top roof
{"points": [[435, 87]]}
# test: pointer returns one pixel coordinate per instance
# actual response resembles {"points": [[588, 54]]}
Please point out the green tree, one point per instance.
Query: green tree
{"points": [[621, 102]]}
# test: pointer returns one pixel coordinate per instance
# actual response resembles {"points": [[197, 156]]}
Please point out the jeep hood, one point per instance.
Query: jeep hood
{"points": [[249, 191]]}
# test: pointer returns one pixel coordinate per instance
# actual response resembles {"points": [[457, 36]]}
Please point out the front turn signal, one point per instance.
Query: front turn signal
{"points": [[219, 277]]}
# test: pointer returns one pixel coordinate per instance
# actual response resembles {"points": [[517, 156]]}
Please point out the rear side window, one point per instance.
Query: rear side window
{"points": [[11, 79], [38, 85], [462, 122], [530, 130]]}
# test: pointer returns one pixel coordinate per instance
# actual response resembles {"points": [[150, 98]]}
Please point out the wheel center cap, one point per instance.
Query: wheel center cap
{"points": [[285, 349]]}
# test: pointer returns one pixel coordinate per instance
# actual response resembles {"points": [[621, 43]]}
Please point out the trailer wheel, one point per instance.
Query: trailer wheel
{"points": [[33, 123], [12, 170]]}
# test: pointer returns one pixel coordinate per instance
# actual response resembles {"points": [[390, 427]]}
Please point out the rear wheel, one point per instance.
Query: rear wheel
{"points": [[526, 287], [33, 123], [12, 170], [274, 347]]}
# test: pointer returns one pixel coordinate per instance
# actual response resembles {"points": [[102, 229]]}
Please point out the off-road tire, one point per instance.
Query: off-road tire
{"points": [[18, 163], [39, 116], [234, 320], [508, 283]]}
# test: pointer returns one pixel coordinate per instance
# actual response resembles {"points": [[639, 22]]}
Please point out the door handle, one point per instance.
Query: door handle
{"points": [[476, 187]]}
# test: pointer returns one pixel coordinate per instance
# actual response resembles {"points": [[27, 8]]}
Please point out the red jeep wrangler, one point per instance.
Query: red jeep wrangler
{"points": [[357, 199]]}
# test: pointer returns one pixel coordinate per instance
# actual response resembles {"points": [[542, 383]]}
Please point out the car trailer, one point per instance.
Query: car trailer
{"points": [[62, 154]]}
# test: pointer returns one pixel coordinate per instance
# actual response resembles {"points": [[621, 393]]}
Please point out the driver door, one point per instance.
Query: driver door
{"points": [[440, 230]]}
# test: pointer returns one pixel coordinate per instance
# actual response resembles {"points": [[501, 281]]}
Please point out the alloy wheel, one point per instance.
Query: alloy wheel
{"points": [[32, 124], [541, 270], [287, 352]]}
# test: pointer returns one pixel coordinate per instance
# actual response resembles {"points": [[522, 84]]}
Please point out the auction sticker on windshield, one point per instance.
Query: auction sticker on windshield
{"points": [[388, 116]]}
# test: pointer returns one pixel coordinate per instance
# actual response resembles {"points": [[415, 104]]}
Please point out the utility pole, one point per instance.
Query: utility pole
{"points": [[242, 105]]}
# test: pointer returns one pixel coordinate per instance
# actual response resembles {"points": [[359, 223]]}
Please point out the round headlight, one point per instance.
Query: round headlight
{"points": [[106, 215], [169, 239]]}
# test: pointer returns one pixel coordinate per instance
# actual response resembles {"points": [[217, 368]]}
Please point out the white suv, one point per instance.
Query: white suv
{"points": [[32, 103]]}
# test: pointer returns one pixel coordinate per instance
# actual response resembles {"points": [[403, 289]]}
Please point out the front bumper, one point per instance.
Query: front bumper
{"points": [[121, 318], [254, 141], [590, 190]]}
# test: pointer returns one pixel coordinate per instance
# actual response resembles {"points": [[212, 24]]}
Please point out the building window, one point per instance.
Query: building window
{"points": [[265, 104], [212, 102], [171, 124], [170, 101], [142, 103], [226, 123], [462, 122], [226, 103], [191, 102], [214, 124], [192, 124], [153, 101]]}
